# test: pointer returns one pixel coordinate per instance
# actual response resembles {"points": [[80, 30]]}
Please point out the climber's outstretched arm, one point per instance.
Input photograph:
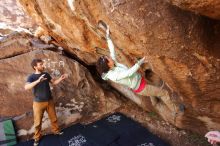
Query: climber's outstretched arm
{"points": [[110, 45], [131, 70]]}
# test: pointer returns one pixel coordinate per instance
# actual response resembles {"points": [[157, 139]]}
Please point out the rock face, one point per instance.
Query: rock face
{"points": [[75, 97], [210, 8], [183, 49], [13, 17]]}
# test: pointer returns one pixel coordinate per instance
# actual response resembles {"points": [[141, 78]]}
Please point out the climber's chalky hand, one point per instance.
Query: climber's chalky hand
{"points": [[107, 31]]}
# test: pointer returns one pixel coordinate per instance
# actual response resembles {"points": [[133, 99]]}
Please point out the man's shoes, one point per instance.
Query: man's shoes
{"points": [[36, 143], [59, 133]]}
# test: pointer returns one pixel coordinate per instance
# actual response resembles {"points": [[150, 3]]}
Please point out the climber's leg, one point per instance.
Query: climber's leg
{"points": [[157, 92], [150, 90]]}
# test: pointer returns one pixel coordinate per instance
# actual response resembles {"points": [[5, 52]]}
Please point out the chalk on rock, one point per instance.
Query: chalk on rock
{"points": [[46, 38]]}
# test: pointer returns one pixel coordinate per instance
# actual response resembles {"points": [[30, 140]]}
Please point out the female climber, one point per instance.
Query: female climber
{"points": [[110, 69]]}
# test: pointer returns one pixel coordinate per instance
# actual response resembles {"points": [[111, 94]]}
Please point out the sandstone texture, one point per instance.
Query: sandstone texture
{"points": [[13, 17], [182, 48], [210, 8]]}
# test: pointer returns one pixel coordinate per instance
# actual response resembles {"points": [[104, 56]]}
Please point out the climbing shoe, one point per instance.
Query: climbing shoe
{"points": [[36, 143], [59, 133]]}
